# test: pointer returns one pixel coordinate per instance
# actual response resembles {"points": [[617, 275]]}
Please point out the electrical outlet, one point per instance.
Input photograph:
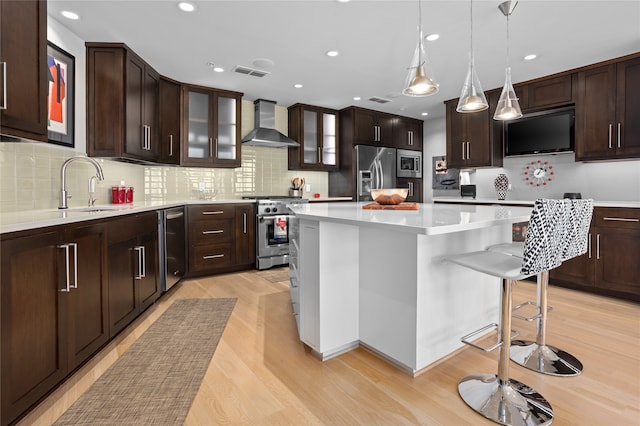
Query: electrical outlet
{"points": [[307, 188]]}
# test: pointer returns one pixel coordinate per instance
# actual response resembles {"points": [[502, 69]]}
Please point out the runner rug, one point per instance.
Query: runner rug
{"points": [[157, 378]]}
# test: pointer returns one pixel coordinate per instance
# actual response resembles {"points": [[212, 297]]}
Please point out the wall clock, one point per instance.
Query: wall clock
{"points": [[538, 173]]}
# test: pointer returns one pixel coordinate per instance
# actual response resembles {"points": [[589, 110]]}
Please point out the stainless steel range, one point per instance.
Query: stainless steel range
{"points": [[272, 230]]}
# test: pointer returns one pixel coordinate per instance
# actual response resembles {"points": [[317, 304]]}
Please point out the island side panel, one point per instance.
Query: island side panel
{"points": [[388, 275], [453, 301], [329, 286]]}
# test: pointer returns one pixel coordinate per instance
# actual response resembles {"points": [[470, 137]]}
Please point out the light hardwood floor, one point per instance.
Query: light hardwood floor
{"points": [[261, 374]]}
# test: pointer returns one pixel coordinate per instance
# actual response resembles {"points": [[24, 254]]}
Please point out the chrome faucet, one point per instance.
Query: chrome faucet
{"points": [[63, 177]]}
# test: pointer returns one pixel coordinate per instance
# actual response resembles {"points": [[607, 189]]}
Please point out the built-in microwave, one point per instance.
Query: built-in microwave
{"points": [[409, 163]]}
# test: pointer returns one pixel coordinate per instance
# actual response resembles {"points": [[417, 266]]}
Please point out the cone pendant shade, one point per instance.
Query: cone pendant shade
{"points": [[472, 97], [508, 106], [420, 81]]}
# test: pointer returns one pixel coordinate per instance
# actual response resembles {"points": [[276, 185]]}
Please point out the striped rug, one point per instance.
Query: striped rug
{"points": [[157, 378]]}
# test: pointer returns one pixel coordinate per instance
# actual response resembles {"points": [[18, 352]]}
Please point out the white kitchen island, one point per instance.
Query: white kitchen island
{"points": [[376, 277]]}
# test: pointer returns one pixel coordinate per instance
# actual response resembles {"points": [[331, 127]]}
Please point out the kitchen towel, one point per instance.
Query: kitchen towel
{"points": [[280, 228]]}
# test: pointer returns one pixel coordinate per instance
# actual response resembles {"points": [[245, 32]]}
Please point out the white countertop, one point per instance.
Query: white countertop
{"points": [[430, 219], [627, 204], [31, 219]]}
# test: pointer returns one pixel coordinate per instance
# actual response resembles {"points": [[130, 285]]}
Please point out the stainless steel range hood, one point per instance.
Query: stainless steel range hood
{"points": [[264, 133]]}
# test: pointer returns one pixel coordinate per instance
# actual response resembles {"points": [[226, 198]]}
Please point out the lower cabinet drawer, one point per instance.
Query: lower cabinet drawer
{"points": [[209, 257], [211, 232]]}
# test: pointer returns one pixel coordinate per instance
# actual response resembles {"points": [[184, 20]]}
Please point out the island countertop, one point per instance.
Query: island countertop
{"points": [[429, 219]]}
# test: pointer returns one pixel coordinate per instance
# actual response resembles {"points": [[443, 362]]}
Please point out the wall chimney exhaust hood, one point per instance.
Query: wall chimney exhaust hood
{"points": [[264, 133]]}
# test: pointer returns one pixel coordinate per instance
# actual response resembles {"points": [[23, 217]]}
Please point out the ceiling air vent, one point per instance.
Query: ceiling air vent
{"points": [[249, 71], [379, 100]]}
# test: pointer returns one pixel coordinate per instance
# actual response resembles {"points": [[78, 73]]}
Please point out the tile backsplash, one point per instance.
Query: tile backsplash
{"points": [[30, 178]]}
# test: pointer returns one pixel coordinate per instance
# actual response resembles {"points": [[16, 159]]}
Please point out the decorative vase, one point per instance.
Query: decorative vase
{"points": [[501, 184]]}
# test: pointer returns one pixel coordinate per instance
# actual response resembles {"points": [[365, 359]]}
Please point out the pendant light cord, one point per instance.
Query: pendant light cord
{"points": [[471, 29], [419, 33], [508, 39]]}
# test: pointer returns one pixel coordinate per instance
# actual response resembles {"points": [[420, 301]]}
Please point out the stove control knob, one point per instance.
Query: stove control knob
{"points": [[275, 209], [267, 210]]}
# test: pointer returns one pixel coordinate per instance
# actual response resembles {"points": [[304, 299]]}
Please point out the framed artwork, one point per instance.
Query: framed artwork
{"points": [[60, 100]]}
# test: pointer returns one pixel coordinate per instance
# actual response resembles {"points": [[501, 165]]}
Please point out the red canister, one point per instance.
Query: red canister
{"points": [[118, 194], [128, 194]]}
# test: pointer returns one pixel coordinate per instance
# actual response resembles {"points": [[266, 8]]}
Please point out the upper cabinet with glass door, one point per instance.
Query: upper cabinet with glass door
{"points": [[316, 129], [211, 136]]}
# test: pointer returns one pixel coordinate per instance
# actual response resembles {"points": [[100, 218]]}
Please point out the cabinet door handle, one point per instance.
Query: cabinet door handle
{"points": [[463, 151], [468, 154], [621, 219], [213, 256], [4, 86], [215, 231], [216, 148], [589, 245], [410, 189], [141, 263], [598, 246], [319, 155], [148, 138], [170, 145], [610, 130], [244, 223], [619, 130], [213, 212], [210, 147], [67, 261], [410, 137]]}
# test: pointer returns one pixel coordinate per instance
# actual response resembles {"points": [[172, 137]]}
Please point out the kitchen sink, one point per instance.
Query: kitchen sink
{"points": [[95, 209]]}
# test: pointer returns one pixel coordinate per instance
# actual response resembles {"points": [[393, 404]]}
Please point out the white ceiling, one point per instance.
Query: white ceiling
{"points": [[376, 40]]}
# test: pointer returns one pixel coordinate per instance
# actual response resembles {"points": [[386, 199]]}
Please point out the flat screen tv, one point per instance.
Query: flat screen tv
{"points": [[540, 133]]}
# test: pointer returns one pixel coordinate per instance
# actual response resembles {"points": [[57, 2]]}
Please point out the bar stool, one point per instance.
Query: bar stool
{"points": [[497, 396], [539, 356]]}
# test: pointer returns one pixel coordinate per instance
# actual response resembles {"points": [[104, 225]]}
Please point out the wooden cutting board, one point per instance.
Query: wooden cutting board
{"points": [[401, 206]]}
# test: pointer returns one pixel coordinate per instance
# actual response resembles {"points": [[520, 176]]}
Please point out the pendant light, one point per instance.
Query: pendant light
{"points": [[420, 81], [472, 98], [508, 106]]}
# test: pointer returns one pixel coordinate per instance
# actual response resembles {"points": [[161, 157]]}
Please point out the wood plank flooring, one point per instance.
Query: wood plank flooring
{"points": [[261, 374]]}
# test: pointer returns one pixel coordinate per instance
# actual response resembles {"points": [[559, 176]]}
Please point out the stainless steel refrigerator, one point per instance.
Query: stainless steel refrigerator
{"points": [[375, 169]]}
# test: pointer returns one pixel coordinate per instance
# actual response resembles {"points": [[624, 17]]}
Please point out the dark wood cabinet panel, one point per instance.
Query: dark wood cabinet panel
{"points": [[122, 103], [546, 93], [317, 131], [606, 111], [132, 268], [610, 266], [414, 186], [221, 237], [23, 53], [170, 121], [407, 133], [470, 140], [372, 127], [33, 353]]}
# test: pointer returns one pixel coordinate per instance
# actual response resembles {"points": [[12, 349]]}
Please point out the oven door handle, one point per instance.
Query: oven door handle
{"points": [[262, 218]]}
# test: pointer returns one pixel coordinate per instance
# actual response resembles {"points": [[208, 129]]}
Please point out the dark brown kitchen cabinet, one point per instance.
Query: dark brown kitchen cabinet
{"points": [[365, 126], [132, 267], [546, 92], [122, 104], [610, 266], [221, 237], [407, 133], [316, 129], [211, 127], [607, 111], [470, 141], [23, 68], [170, 121], [414, 186], [54, 316]]}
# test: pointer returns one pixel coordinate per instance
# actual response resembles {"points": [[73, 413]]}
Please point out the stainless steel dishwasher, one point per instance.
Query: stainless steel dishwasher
{"points": [[172, 246]]}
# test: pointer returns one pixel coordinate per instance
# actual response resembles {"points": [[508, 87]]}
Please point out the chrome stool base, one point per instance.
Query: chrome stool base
{"points": [[508, 403], [544, 358]]}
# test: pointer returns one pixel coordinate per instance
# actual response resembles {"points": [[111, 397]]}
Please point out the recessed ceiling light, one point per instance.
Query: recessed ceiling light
{"points": [[530, 57], [356, 98], [186, 7], [333, 53], [432, 37], [298, 86], [425, 113], [70, 15], [218, 69], [344, 1]]}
